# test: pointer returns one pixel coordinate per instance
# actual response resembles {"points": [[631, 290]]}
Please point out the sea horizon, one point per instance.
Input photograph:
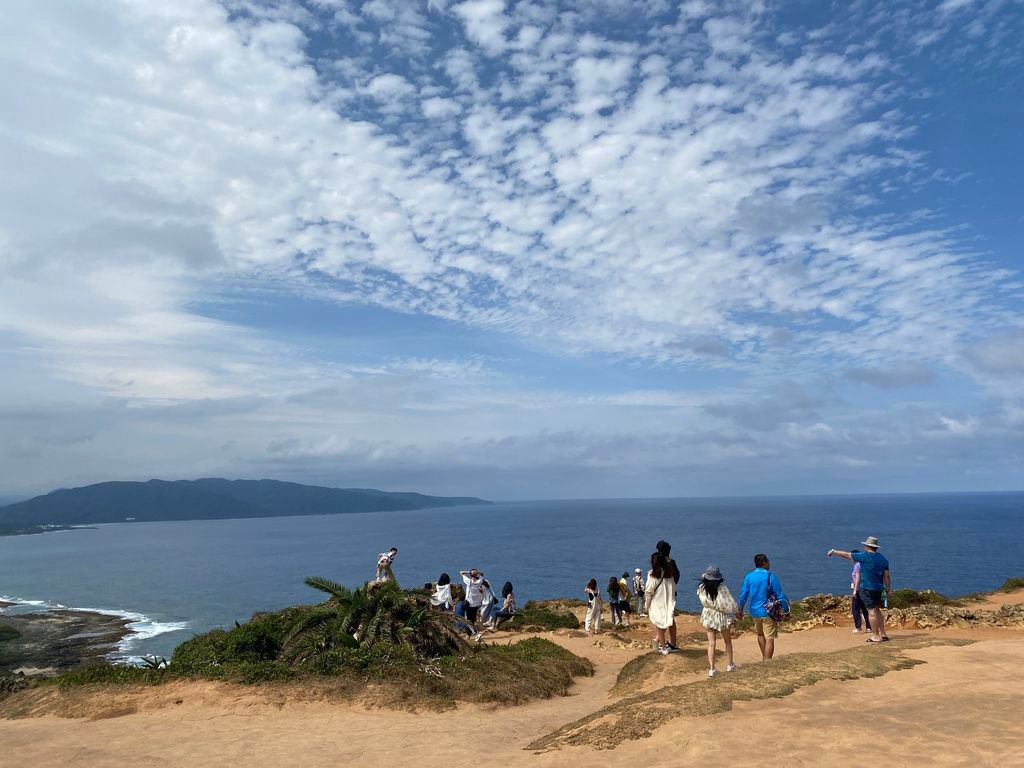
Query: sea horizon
{"points": [[184, 577]]}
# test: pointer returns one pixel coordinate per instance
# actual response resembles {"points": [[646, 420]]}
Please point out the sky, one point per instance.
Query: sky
{"points": [[514, 248]]}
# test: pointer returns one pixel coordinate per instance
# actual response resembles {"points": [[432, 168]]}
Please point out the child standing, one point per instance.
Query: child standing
{"points": [[593, 619], [720, 609]]}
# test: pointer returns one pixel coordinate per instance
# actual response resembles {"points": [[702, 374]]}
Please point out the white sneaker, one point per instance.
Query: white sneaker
{"points": [[663, 650], [855, 631], [731, 668], [712, 672], [478, 636]]}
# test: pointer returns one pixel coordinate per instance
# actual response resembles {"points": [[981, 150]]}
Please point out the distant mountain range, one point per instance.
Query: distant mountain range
{"points": [[206, 499]]}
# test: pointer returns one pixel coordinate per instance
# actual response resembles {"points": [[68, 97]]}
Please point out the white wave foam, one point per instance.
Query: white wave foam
{"points": [[20, 601], [140, 626]]}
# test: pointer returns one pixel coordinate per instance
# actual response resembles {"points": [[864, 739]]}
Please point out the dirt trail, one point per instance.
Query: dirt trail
{"points": [[937, 705]]}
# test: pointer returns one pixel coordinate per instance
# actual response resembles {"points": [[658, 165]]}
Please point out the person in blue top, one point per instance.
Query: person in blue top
{"points": [[755, 588], [874, 579]]}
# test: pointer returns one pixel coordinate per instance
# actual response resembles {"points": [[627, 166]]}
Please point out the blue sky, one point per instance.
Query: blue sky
{"points": [[516, 249]]}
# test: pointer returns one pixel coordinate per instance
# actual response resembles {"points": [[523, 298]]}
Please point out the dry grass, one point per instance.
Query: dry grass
{"points": [[508, 674], [638, 716], [639, 672]]}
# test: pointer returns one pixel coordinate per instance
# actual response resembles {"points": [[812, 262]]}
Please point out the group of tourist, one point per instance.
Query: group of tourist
{"points": [[473, 602], [621, 591], [769, 606], [476, 605]]}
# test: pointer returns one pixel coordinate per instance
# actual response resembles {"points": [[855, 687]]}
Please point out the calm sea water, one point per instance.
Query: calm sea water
{"points": [[180, 578]]}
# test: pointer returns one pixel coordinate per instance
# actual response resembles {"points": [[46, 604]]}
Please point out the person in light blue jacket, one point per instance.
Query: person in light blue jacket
{"points": [[756, 586]]}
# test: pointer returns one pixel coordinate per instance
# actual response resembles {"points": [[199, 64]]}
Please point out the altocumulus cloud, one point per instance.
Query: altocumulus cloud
{"points": [[685, 188]]}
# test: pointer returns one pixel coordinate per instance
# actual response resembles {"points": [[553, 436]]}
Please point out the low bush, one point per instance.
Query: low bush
{"points": [[1012, 585], [257, 640], [908, 598], [536, 615], [202, 655], [509, 674], [9, 633], [376, 635], [109, 674]]}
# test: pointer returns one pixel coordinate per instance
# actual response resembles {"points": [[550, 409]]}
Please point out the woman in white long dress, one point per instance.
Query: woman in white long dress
{"points": [[660, 599], [593, 619], [719, 612]]}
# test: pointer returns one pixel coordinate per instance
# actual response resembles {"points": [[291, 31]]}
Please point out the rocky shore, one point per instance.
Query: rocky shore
{"points": [[50, 641]]}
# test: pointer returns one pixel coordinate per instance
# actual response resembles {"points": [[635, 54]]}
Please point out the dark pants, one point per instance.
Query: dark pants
{"points": [[860, 611], [472, 611]]}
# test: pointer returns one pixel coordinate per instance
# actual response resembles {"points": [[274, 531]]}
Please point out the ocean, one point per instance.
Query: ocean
{"points": [[177, 579]]}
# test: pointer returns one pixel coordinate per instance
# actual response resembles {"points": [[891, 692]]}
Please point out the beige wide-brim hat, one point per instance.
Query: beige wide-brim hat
{"points": [[871, 541]]}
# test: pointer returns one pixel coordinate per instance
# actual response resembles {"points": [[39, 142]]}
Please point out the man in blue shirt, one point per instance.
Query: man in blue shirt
{"points": [[755, 588], [874, 579]]}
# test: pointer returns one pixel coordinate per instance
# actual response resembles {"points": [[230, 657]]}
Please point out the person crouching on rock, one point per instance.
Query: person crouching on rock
{"points": [[719, 612], [459, 596]]}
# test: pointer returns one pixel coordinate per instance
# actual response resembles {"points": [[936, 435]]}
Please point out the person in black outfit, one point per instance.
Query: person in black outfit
{"points": [[665, 549]]}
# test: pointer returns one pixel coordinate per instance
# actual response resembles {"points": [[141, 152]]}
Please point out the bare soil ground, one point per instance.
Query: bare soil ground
{"points": [[944, 696]]}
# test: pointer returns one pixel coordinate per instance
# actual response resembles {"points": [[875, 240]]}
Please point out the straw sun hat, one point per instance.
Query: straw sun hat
{"points": [[870, 541]]}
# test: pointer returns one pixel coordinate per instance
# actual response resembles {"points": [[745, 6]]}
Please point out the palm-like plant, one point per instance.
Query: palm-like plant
{"points": [[376, 613]]}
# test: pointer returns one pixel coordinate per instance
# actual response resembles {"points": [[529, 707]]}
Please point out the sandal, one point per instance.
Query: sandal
{"points": [[872, 640]]}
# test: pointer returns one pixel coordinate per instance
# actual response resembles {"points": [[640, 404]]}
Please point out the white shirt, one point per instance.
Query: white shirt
{"points": [[442, 596], [474, 591]]}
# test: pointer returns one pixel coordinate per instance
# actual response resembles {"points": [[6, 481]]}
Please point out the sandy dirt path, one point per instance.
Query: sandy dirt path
{"points": [[962, 707]]}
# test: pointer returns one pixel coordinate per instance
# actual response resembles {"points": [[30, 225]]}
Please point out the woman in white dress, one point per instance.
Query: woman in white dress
{"points": [[593, 619], [442, 597], [719, 612], [660, 599]]}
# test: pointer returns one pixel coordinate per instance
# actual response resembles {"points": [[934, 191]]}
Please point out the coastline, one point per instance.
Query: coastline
{"points": [[53, 638], [33, 530]]}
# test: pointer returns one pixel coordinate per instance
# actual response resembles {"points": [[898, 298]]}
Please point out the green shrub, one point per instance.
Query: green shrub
{"points": [[541, 616], [907, 598], [254, 672], [511, 674], [1012, 585], [254, 641], [109, 674], [9, 633], [202, 655]]}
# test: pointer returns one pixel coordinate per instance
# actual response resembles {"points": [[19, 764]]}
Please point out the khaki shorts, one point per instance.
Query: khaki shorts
{"points": [[767, 627]]}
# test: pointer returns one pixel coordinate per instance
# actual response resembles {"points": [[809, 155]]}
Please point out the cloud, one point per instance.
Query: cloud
{"points": [[703, 191], [1001, 356], [893, 376], [485, 23]]}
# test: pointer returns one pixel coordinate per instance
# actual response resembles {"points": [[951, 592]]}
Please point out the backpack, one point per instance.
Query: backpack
{"points": [[772, 604]]}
